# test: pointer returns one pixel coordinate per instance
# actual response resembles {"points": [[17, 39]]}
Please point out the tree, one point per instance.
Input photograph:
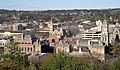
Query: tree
{"points": [[116, 64], [62, 61], [13, 58], [83, 63], [32, 67], [1, 20], [55, 62]]}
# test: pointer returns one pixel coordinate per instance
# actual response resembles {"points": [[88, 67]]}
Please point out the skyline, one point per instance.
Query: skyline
{"points": [[58, 4]]}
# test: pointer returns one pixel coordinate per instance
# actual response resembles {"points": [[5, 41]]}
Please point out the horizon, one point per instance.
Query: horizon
{"points": [[58, 5], [60, 9]]}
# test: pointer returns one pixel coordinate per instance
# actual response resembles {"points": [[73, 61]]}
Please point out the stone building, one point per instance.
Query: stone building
{"points": [[98, 52], [28, 46], [25, 42], [55, 30], [62, 47]]}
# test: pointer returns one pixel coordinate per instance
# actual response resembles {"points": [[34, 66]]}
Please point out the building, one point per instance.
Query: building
{"points": [[55, 30], [62, 47], [27, 43], [97, 34], [113, 30], [28, 46], [16, 36], [90, 42]]}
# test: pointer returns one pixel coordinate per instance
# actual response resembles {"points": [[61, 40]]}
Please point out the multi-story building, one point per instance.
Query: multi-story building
{"points": [[26, 43], [97, 34], [92, 41], [114, 29], [55, 32]]}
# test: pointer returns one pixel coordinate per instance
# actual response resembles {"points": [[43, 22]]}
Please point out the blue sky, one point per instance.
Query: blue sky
{"points": [[58, 4]]}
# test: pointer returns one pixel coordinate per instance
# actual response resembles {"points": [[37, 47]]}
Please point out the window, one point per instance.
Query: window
{"points": [[105, 39], [34, 48], [21, 48], [53, 40], [28, 48], [25, 48], [31, 48]]}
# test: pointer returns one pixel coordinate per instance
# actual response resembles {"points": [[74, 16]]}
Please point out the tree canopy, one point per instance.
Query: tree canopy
{"points": [[63, 61], [12, 58]]}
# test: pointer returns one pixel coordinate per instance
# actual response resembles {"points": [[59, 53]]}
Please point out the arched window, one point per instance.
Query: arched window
{"points": [[53, 40], [28, 48], [25, 48], [34, 48], [22, 49], [31, 48]]}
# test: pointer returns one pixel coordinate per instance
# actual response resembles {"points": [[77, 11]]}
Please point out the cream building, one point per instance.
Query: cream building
{"points": [[97, 34], [55, 30], [93, 40], [27, 46], [98, 52], [24, 42], [61, 47]]}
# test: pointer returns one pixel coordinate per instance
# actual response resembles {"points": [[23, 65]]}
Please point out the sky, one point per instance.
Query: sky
{"points": [[58, 4]]}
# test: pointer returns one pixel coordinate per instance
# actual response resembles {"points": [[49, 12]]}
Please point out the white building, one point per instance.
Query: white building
{"points": [[97, 34]]}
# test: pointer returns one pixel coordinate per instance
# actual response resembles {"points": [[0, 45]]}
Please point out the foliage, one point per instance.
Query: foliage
{"points": [[12, 58], [80, 64], [116, 64], [62, 61], [32, 67]]}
